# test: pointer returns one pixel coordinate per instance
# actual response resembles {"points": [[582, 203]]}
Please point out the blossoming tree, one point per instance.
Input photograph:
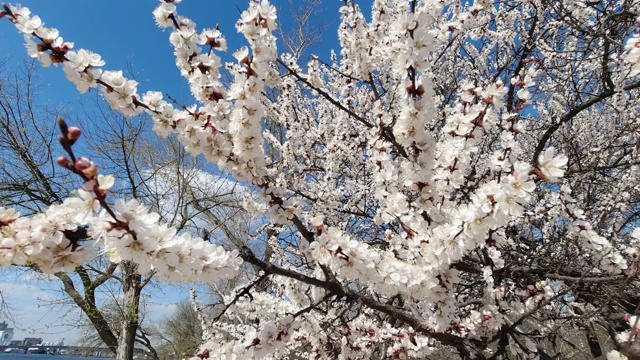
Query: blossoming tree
{"points": [[460, 175]]}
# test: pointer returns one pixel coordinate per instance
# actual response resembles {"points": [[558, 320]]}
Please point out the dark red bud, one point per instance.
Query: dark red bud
{"points": [[205, 354], [63, 161]]}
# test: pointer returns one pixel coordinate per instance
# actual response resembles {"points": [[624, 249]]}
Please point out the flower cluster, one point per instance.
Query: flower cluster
{"points": [[416, 188], [50, 241], [72, 234]]}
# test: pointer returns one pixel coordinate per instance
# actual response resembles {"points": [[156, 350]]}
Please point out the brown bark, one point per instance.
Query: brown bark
{"points": [[132, 285], [87, 303]]}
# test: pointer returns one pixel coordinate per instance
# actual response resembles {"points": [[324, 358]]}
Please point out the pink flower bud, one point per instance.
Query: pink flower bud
{"points": [[73, 133], [91, 171], [63, 161], [82, 163]]}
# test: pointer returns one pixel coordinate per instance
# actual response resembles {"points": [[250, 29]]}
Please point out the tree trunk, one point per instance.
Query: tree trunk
{"points": [[154, 354], [131, 305], [88, 306]]}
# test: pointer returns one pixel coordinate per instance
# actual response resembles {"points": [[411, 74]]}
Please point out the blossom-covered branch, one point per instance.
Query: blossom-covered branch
{"points": [[455, 174]]}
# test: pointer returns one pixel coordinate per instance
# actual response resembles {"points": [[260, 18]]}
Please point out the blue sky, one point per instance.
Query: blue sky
{"points": [[125, 35]]}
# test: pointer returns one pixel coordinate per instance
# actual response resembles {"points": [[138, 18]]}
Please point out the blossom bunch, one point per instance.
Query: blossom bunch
{"points": [[420, 189], [58, 240]]}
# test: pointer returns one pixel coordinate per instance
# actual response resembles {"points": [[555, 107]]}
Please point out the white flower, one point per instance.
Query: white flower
{"points": [[28, 25], [268, 14], [7, 216], [496, 90], [49, 34], [34, 52], [83, 59], [552, 166], [241, 53], [162, 13], [81, 69], [121, 92], [213, 38], [524, 94], [106, 182], [615, 355]]}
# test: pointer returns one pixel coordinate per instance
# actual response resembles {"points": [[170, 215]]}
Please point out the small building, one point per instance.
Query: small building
{"points": [[6, 334]]}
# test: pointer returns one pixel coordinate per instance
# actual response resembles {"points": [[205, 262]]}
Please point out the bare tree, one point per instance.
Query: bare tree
{"points": [[307, 30], [182, 329], [5, 307]]}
